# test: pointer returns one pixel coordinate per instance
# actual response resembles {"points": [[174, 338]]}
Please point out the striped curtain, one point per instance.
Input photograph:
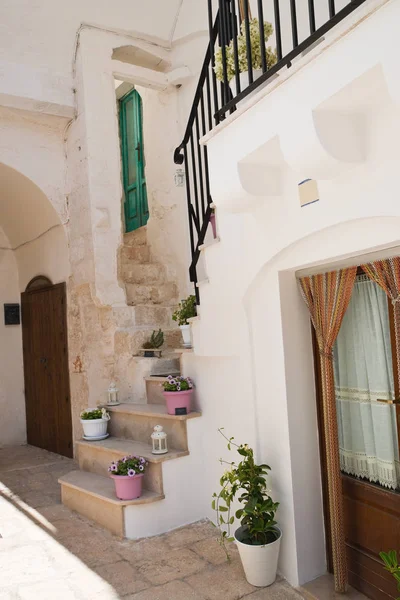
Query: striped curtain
{"points": [[327, 296], [386, 273]]}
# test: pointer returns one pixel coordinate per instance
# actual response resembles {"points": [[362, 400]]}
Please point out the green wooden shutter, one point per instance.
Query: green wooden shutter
{"points": [[133, 163]]}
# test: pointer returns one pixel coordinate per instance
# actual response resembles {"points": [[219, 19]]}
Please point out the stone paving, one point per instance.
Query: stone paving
{"points": [[48, 552]]}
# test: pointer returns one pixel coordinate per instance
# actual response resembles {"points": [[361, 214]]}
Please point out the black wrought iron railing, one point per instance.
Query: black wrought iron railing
{"points": [[250, 42]]}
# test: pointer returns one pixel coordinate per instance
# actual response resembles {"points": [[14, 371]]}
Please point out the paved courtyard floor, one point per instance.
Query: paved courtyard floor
{"points": [[48, 552]]}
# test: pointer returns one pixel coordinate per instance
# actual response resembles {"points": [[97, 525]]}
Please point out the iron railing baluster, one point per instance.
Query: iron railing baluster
{"points": [[264, 65]]}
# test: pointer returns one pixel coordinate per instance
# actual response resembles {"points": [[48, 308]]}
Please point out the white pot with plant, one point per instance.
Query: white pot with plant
{"points": [[258, 538], [186, 310], [255, 44], [94, 422]]}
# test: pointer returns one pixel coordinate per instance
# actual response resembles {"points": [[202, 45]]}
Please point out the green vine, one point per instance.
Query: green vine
{"points": [[245, 481]]}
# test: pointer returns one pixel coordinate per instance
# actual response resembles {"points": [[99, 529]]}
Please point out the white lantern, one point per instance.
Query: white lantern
{"points": [[113, 394], [159, 440]]}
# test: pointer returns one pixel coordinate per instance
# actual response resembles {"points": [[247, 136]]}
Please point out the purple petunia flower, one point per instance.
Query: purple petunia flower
{"points": [[169, 377], [131, 472], [141, 468], [178, 387], [113, 468], [142, 460]]}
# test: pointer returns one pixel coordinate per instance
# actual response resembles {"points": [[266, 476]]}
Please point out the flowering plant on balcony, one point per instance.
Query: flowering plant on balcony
{"points": [[255, 44], [128, 466], [177, 384]]}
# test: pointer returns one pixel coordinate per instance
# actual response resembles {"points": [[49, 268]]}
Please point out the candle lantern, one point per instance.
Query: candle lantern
{"points": [[113, 394], [159, 440]]}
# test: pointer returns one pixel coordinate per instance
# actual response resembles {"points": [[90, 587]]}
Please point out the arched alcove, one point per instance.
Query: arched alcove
{"points": [[33, 251], [283, 371]]}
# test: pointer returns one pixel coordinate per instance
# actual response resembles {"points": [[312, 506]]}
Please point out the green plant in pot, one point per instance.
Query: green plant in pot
{"points": [[154, 344], [256, 61], [258, 537], [392, 565], [187, 309]]}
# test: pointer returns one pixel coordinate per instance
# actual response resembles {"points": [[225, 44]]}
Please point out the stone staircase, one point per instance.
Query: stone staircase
{"points": [[151, 300], [90, 491]]}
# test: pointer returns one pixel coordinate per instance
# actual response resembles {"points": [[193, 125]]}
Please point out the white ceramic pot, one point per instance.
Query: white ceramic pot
{"points": [[185, 329], [260, 563], [244, 82], [94, 427]]}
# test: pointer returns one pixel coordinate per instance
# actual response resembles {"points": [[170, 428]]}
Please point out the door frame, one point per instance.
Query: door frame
{"points": [[350, 484], [30, 290]]}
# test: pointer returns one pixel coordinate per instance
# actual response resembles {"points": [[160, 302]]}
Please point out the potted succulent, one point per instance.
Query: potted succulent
{"points": [[128, 474], [255, 44], [154, 344], [177, 393], [94, 422], [258, 538], [186, 310]]}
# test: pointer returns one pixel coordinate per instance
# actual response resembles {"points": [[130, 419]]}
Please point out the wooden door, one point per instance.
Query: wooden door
{"points": [[45, 351], [133, 163], [371, 513]]}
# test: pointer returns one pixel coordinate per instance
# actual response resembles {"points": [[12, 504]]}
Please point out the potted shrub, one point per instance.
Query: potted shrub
{"points": [[94, 422], [178, 392], [128, 474], [258, 538], [154, 344], [255, 44], [186, 310]]}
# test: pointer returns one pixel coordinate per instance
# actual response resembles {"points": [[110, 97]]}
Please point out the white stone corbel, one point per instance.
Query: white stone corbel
{"points": [[139, 75]]}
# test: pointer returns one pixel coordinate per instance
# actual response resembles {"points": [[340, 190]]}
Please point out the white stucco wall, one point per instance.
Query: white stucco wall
{"points": [[336, 121], [12, 399]]}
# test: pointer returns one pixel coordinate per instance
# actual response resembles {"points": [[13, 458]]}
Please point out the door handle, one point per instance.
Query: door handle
{"points": [[394, 401], [139, 151]]}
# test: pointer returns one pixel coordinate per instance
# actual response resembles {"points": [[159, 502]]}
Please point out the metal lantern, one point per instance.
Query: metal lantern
{"points": [[159, 440], [112, 394]]}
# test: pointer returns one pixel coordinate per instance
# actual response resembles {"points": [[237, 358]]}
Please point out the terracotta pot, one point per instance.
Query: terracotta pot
{"points": [[260, 563], [127, 488], [178, 400]]}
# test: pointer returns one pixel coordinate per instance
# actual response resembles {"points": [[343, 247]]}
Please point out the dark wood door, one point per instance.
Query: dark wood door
{"points": [[371, 516], [45, 350]]}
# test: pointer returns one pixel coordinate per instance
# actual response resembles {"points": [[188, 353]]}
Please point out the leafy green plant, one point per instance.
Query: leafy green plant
{"points": [[392, 565], [245, 481], [186, 310], [95, 413], [255, 44], [177, 384], [156, 340]]}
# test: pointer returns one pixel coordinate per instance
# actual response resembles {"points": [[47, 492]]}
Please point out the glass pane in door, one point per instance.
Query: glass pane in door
{"points": [[364, 385]]}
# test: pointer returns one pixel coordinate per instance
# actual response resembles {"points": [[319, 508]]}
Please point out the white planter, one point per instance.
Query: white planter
{"points": [[185, 329], [94, 427], [244, 82], [260, 563]]}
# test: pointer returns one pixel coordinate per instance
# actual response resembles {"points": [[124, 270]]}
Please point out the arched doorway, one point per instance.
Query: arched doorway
{"points": [[45, 352]]}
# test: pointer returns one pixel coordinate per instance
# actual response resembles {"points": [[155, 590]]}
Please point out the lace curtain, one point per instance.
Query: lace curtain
{"points": [[363, 373]]}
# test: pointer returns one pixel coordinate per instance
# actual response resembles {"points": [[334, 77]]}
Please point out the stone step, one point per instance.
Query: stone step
{"points": [[93, 496], [131, 339], [148, 315], [138, 254], [141, 293], [136, 238], [154, 388], [137, 422], [96, 457], [143, 273]]}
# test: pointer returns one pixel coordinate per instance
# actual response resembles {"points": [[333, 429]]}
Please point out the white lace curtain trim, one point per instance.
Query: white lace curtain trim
{"points": [[372, 468]]}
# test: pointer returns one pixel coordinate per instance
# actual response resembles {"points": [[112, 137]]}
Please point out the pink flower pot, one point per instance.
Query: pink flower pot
{"points": [[213, 225], [178, 400], [127, 488]]}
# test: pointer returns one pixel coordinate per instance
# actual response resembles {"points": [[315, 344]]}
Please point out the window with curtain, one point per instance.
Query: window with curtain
{"points": [[363, 370]]}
